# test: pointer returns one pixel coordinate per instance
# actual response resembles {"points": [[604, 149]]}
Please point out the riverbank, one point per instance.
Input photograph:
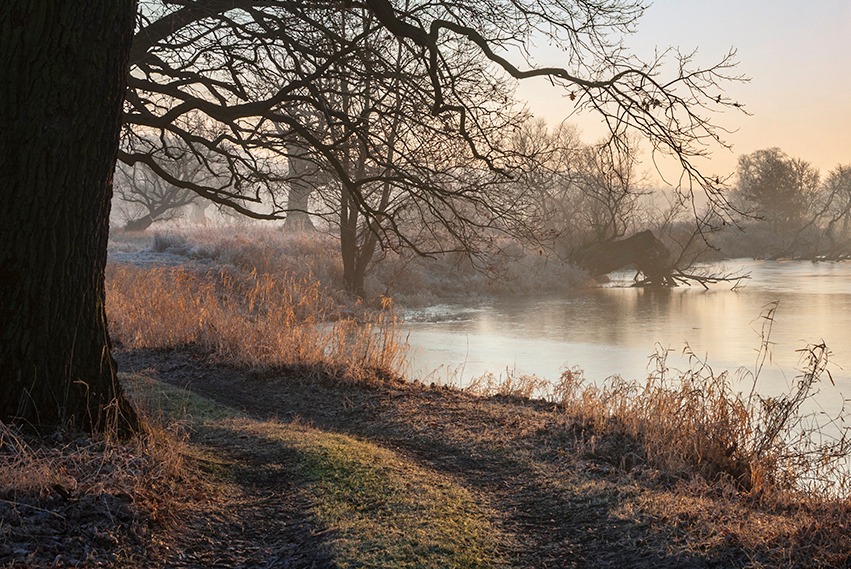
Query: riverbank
{"points": [[281, 434], [542, 486], [286, 469]]}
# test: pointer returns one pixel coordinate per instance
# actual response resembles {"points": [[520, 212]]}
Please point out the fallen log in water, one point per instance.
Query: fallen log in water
{"points": [[650, 257]]}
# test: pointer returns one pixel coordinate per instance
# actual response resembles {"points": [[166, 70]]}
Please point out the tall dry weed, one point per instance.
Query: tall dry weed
{"points": [[509, 385], [151, 468], [254, 319], [695, 422]]}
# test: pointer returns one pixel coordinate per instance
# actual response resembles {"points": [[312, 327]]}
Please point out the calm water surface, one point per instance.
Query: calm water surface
{"points": [[614, 330]]}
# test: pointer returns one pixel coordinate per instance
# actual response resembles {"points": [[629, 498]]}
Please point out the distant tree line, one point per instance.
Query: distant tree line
{"points": [[788, 209]]}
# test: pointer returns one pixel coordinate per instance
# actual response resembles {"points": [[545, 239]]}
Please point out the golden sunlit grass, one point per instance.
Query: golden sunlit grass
{"points": [[252, 319]]}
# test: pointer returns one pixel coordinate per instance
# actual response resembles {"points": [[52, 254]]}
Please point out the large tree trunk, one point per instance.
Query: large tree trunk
{"points": [[64, 68]]}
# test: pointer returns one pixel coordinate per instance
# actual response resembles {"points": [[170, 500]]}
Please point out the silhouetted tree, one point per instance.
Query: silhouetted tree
{"points": [[240, 68], [837, 210], [64, 68], [265, 73], [780, 189], [782, 193]]}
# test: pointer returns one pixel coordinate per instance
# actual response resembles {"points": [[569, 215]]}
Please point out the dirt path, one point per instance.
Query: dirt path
{"points": [[554, 509], [255, 519]]}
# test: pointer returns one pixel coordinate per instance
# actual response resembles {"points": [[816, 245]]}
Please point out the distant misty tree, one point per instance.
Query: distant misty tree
{"points": [[586, 193], [777, 188], [781, 195], [143, 197], [303, 178], [837, 198], [611, 189]]}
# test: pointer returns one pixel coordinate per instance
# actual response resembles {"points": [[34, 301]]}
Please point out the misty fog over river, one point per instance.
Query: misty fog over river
{"points": [[613, 329]]}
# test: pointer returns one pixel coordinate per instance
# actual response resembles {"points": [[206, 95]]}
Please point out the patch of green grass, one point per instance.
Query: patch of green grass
{"points": [[380, 508], [385, 510], [165, 403]]}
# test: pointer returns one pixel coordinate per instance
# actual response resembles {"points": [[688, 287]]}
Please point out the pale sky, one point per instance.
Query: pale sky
{"points": [[797, 54]]}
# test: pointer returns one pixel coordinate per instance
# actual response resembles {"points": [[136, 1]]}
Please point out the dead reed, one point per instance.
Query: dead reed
{"points": [[149, 471], [257, 319], [695, 422]]}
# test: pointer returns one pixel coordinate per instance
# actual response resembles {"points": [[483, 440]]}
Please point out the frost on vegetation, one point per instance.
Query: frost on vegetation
{"points": [[412, 281]]}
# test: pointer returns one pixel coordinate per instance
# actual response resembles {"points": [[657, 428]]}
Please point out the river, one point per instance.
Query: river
{"points": [[614, 329]]}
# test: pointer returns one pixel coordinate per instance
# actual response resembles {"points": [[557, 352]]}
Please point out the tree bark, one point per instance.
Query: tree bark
{"points": [[64, 68]]}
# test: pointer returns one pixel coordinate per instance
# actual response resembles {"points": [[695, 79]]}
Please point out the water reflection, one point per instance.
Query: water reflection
{"points": [[613, 330]]}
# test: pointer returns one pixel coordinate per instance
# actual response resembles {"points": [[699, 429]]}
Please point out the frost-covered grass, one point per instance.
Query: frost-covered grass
{"points": [[408, 279]]}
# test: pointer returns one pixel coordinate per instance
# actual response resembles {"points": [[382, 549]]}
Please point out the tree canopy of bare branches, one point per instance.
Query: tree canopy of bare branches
{"points": [[407, 99], [233, 81]]}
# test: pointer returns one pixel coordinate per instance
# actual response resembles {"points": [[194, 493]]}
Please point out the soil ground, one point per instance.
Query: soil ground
{"points": [[551, 508], [553, 491]]}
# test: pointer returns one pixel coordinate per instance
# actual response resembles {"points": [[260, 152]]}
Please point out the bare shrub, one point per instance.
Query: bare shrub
{"points": [[172, 241]]}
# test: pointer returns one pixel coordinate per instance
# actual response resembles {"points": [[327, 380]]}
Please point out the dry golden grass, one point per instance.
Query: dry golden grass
{"points": [[253, 319], [694, 423], [410, 279], [151, 468]]}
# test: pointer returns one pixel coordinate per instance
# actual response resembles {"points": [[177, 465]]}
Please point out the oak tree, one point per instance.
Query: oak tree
{"points": [[64, 69]]}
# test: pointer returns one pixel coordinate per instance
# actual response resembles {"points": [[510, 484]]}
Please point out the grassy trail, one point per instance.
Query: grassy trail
{"points": [[426, 478], [282, 493]]}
